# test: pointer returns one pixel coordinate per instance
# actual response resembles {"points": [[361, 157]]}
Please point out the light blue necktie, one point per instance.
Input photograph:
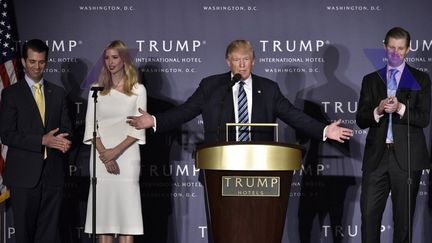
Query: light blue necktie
{"points": [[391, 91], [243, 116]]}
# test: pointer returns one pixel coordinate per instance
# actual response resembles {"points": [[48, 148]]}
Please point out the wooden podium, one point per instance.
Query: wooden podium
{"points": [[247, 189]]}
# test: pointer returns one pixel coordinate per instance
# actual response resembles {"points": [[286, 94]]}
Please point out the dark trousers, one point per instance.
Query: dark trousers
{"points": [[376, 186], [36, 212]]}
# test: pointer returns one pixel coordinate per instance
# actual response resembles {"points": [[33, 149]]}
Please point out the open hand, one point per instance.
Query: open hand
{"points": [[141, 122], [58, 141], [335, 132]]}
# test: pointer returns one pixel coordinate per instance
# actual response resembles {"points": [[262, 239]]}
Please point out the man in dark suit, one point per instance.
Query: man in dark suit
{"points": [[239, 96], [383, 108], [220, 100], [34, 124]]}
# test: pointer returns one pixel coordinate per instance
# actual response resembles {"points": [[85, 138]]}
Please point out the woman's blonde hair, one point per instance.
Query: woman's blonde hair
{"points": [[130, 72]]}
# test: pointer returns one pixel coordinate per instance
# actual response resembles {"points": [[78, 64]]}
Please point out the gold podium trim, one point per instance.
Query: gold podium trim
{"points": [[249, 157]]}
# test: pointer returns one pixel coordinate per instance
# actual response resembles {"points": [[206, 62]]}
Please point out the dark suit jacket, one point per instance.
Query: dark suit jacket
{"points": [[373, 90], [21, 129], [213, 99]]}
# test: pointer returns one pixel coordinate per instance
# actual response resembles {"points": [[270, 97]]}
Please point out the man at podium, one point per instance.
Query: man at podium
{"points": [[241, 97]]}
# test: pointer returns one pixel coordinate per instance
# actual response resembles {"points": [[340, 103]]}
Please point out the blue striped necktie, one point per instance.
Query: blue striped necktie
{"points": [[391, 91], [243, 116]]}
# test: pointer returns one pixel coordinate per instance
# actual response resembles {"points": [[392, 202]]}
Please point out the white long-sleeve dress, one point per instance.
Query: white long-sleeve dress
{"points": [[118, 200]]}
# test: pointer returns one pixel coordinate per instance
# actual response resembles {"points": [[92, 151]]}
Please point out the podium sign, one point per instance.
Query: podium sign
{"points": [[251, 186], [247, 189]]}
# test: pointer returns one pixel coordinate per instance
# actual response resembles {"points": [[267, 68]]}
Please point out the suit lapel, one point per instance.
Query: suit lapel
{"points": [[229, 101], [256, 91], [408, 81], [49, 101], [228, 107], [382, 84], [408, 85], [230, 118], [256, 106], [383, 75]]}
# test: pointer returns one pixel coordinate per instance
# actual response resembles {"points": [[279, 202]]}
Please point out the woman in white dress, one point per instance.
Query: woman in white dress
{"points": [[118, 200]]}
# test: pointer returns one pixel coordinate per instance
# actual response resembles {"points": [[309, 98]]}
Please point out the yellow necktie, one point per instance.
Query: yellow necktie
{"points": [[40, 101], [41, 107]]}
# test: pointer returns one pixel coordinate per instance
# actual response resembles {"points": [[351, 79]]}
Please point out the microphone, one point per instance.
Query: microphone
{"points": [[409, 179], [96, 88], [237, 77]]}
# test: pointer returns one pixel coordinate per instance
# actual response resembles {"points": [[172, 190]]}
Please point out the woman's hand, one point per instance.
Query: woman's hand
{"points": [[108, 155], [112, 167]]}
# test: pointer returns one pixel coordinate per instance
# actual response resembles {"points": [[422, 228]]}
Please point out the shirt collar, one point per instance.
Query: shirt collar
{"points": [[400, 68], [30, 82]]}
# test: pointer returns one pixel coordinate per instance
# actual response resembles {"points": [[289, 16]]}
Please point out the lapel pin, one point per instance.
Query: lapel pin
{"points": [[259, 91]]}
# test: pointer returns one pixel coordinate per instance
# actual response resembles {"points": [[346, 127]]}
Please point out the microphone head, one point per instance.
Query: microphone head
{"points": [[237, 77], [96, 88]]}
